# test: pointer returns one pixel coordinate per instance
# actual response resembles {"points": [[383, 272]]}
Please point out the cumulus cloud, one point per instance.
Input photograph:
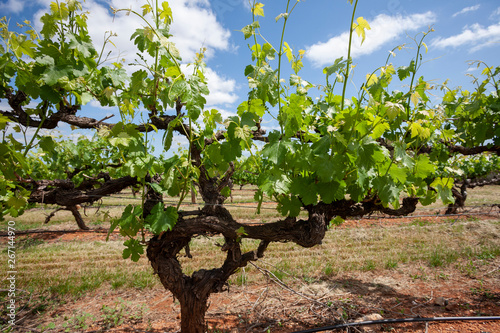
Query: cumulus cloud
{"points": [[475, 37], [384, 29], [11, 6], [466, 10], [194, 26], [222, 90]]}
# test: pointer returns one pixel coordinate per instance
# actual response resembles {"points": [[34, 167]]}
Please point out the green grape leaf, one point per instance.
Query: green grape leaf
{"points": [[3, 121], [393, 110], [272, 184], [47, 144], [17, 202], [337, 221], [324, 167], [405, 71], [146, 9], [167, 138], [133, 249], [288, 51], [331, 191], [289, 206], [49, 26], [429, 198], [249, 30], [322, 146], [85, 48], [401, 156], [129, 222], [423, 167], [162, 219], [380, 129], [443, 187], [22, 46], [387, 190], [231, 150], [306, 189], [338, 66], [397, 173], [292, 114], [275, 151]]}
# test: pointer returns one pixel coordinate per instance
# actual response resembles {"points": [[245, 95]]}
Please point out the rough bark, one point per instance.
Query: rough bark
{"points": [[193, 291], [460, 191], [62, 192], [460, 195], [152, 197], [78, 217]]}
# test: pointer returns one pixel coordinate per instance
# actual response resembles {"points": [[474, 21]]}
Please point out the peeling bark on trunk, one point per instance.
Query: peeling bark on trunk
{"points": [[193, 291], [193, 309]]}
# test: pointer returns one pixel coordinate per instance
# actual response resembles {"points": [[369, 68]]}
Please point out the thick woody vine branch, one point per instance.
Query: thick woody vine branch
{"points": [[63, 192]]}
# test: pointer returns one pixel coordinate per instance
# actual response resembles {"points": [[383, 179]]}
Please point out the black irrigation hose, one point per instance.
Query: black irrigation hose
{"points": [[394, 321]]}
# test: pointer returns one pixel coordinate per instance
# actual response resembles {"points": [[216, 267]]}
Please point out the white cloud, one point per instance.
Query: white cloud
{"points": [[246, 4], [4, 105], [475, 37], [495, 14], [194, 26], [466, 10], [221, 89], [384, 29], [225, 113], [11, 6]]}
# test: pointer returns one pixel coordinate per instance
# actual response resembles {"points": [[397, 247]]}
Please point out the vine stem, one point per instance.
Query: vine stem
{"points": [[419, 46], [153, 29], [346, 76], [280, 55], [255, 37], [156, 78], [29, 145]]}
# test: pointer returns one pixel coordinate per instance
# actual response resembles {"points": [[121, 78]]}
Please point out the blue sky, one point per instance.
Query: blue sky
{"points": [[464, 30]]}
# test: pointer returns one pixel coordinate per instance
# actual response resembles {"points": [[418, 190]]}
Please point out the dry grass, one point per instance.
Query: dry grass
{"points": [[477, 196], [75, 267]]}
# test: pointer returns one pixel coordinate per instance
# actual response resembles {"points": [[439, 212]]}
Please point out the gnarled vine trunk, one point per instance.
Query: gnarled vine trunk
{"points": [[193, 291]]}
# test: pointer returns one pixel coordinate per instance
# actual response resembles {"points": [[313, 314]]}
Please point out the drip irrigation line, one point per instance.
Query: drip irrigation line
{"points": [[395, 321]]}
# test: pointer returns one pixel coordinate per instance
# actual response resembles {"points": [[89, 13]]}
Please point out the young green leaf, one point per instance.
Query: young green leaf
{"points": [[162, 219], [360, 27], [133, 249], [258, 9]]}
